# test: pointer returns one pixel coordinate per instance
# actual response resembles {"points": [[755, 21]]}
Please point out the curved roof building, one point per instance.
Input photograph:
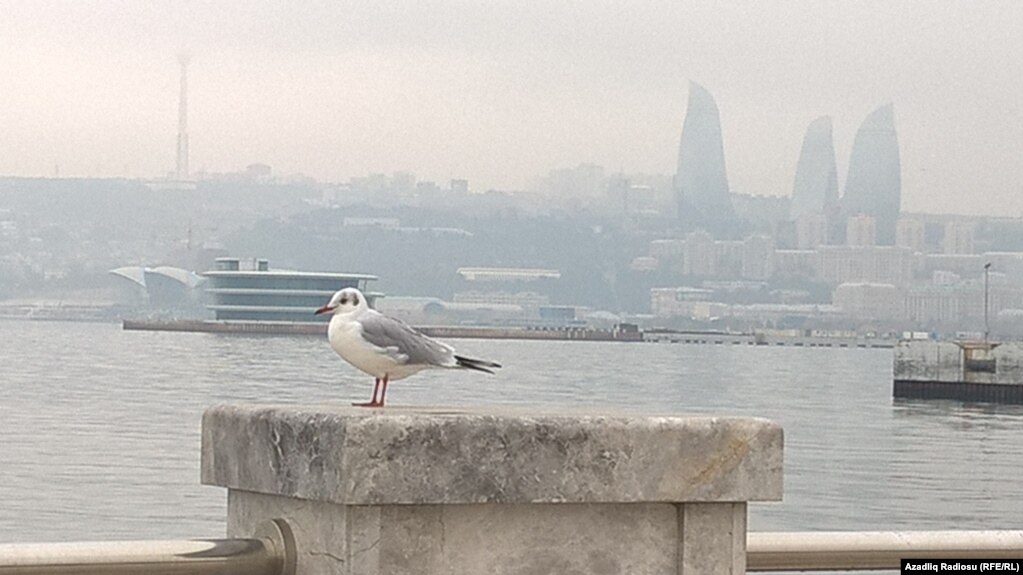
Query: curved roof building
{"points": [[701, 182], [162, 287], [874, 184], [261, 294], [815, 190]]}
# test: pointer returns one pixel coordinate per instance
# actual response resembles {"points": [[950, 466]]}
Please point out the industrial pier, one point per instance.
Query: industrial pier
{"points": [[971, 371]]}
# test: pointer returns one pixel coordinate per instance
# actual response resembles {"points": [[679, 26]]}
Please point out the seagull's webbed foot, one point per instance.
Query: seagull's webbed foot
{"points": [[375, 402]]}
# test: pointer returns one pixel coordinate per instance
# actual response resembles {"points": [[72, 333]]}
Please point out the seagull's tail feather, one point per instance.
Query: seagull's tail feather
{"points": [[477, 364]]}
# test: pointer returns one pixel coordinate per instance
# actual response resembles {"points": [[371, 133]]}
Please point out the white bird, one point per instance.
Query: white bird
{"points": [[384, 347]]}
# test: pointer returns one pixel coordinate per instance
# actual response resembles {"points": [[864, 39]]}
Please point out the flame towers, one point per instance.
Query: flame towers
{"points": [[874, 184], [701, 183], [816, 187]]}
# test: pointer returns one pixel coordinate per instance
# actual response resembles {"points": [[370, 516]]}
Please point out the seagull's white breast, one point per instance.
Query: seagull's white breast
{"points": [[345, 336]]}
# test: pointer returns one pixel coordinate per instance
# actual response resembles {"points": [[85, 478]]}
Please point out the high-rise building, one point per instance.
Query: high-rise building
{"points": [[861, 230], [874, 184], [757, 257], [876, 264], [815, 190], [701, 183], [811, 231], [958, 238], [700, 255], [909, 233], [866, 300]]}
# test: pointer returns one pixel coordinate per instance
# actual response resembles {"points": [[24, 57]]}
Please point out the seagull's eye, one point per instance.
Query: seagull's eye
{"points": [[344, 301]]}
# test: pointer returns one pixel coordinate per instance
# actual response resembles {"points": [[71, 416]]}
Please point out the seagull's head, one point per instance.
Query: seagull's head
{"points": [[344, 301]]}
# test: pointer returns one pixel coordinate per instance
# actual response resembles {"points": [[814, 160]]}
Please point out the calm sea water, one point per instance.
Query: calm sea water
{"points": [[99, 427]]}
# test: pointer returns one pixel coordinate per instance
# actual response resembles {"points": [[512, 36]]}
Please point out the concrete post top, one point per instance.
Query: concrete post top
{"points": [[357, 456]]}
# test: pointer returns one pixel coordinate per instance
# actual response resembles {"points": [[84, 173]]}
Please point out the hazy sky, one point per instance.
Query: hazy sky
{"points": [[499, 92]]}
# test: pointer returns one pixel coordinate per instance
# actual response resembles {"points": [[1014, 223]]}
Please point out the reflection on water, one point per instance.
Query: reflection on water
{"points": [[100, 427]]}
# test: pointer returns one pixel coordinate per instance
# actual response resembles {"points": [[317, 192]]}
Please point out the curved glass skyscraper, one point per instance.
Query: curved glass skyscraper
{"points": [[701, 183], [816, 187], [874, 184]]}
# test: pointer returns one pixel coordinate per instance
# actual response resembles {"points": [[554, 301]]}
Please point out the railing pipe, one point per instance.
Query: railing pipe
{"points": [[271, 553], [873, 550]]}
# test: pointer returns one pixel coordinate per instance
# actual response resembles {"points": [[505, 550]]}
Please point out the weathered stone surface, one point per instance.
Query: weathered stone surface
{"points": [[354, 456], [712, 538], [499, 539]]}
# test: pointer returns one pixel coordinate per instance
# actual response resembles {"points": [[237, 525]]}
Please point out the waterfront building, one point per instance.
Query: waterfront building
{"points": [[765, 214], [644, 264], [757, 258], [861, 230], [874, 183], [523, 299], [507, 274], [950, 302], [878, 264], [811, 230], [701, 182], [705, 257], [164, 290], [689, 302], [796, 263], [1008, 263], [958, 238], [909, 233], [669, 252], [967, 266], [871, 301], [700, 255], [815, 190], [248, 290]]}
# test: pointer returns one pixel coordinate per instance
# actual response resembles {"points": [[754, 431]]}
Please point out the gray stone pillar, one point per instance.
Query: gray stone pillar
{"points": [[403, 491]]}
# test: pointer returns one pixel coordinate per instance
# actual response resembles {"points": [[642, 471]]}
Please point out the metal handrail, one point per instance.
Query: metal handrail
{"points": [[272, 552], [873, 550]]}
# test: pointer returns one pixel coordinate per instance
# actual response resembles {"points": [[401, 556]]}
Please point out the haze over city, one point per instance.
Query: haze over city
{"points": [[499, 93], [648, 287]]}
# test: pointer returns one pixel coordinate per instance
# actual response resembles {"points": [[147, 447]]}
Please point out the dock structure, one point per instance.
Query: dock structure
{"points": [[762, 339], [432, 491], [980, 371], [622, 332]]}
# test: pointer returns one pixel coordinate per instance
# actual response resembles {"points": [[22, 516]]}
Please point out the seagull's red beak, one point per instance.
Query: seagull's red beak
{"points": [[323, 309]]}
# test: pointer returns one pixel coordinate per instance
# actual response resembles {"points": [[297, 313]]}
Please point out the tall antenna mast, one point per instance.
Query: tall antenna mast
{"points": [[181, 173]]}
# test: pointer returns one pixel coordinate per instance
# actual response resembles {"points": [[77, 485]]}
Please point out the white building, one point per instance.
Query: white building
{"points": [[867, 300], [875, 264], [861, 230], [958, 238], [909, 233]]}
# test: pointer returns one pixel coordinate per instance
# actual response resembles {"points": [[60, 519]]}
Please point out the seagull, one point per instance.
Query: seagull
{"points": [[384, 347]]}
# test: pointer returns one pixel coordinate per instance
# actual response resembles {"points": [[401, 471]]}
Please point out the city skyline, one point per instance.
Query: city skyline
{"points": [[443, 88]]}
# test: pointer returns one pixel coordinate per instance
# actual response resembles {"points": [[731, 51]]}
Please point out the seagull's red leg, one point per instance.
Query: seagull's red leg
{"points": [[383, 390], [373, 402]]}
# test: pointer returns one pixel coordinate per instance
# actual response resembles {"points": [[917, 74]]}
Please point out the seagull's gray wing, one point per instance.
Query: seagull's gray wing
{"points": [[403, 343]]}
